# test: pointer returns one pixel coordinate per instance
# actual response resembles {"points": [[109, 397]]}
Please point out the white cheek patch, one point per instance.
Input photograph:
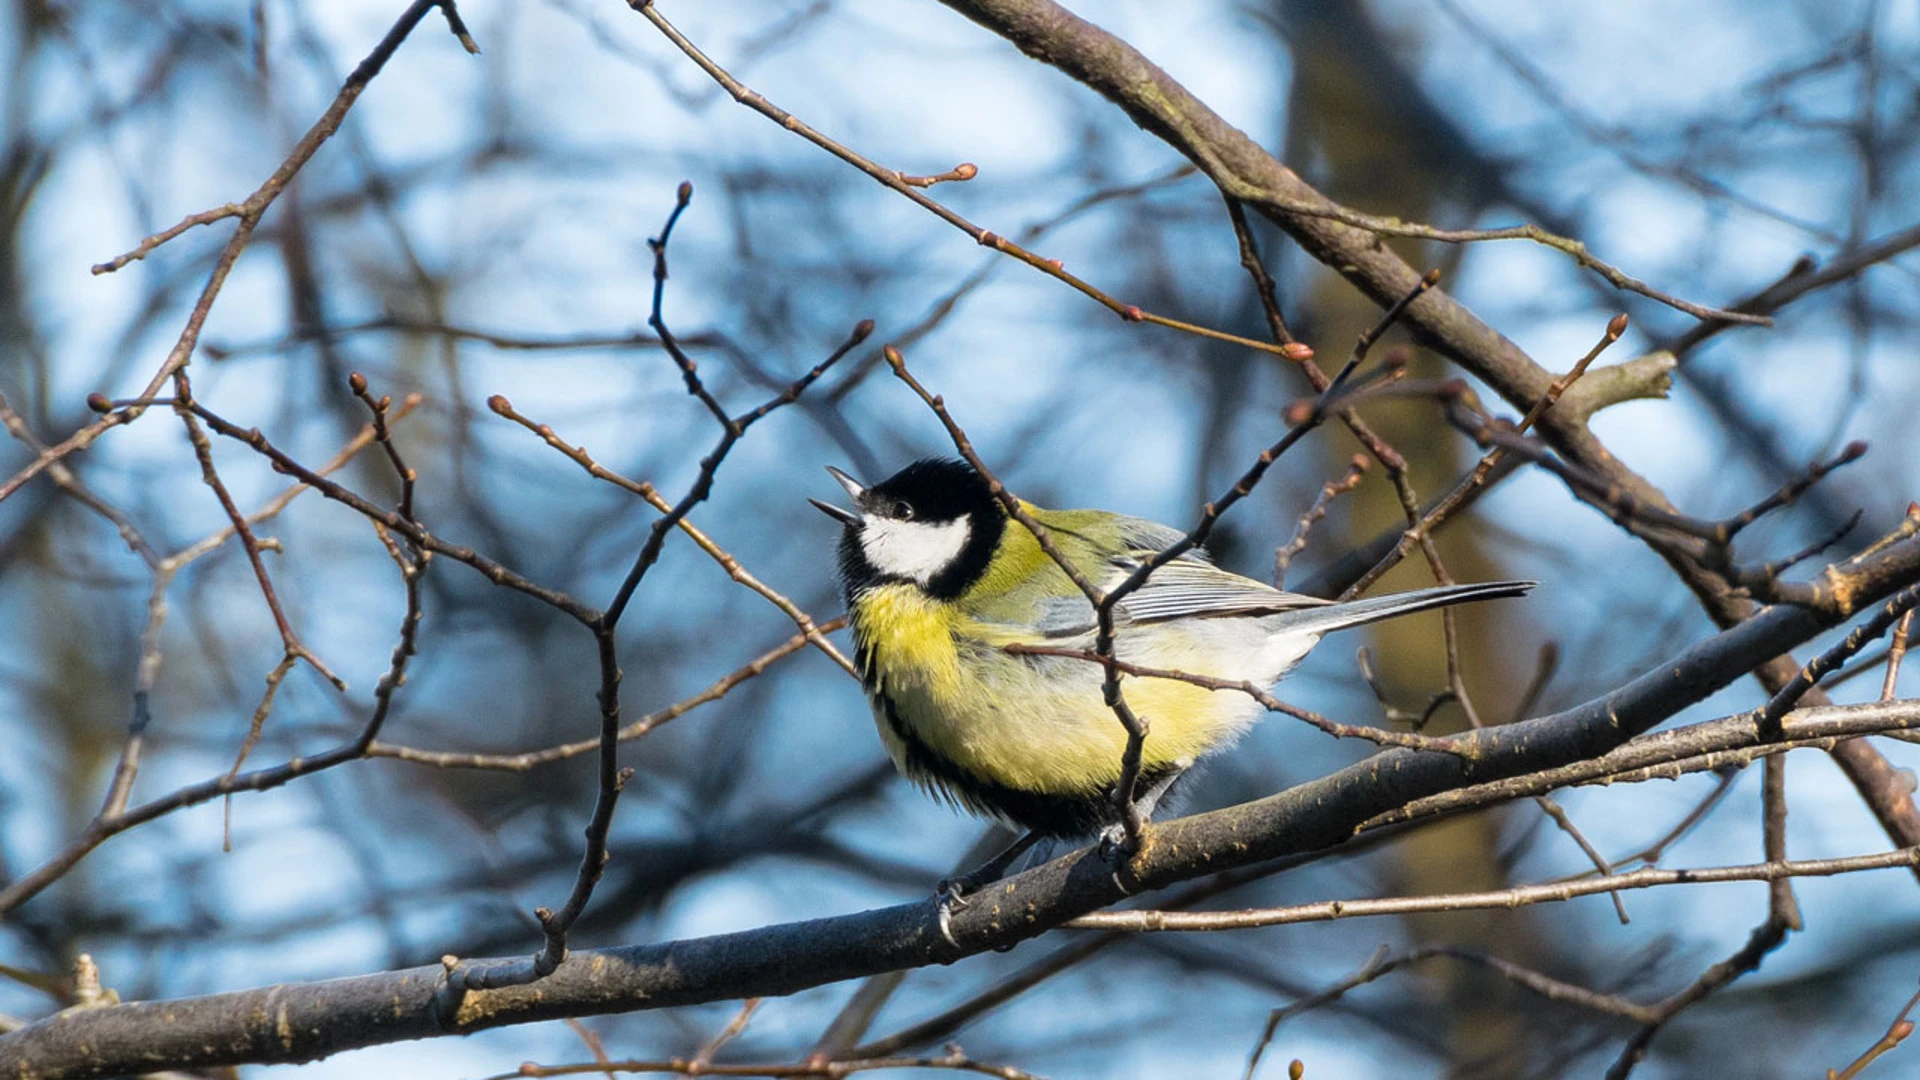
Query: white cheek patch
{"points": [[913, 549]]}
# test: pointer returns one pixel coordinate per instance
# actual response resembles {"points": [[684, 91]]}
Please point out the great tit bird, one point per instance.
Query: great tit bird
{"points": [[939, 580]]}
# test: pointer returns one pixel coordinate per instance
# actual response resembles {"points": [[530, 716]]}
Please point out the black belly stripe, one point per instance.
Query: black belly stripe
{"points": [[1060, 814]]}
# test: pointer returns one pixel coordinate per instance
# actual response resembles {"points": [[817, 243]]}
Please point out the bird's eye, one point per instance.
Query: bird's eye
{"points": [[903, 511]]}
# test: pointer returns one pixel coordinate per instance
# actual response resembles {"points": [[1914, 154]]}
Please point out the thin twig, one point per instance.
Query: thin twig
{"points": [[952, 1061], [1804, 277], [1766, 937], [285, 463], [594, 1046], [1782, 907], [113, 821], [1263, 286], [1375, 967], [1382, 963], [1651, 853], [814, 634], [1156, 921], [203, 449], [1893, 611], [1391, 226], [1560, 819], [1896, 651], [1468, 489], [895, 181], [1897, 1033], [1283, 556], [1656, 524], [1338, 730], [638, 728], [251, 210], [556, 925], [732, 1031]]}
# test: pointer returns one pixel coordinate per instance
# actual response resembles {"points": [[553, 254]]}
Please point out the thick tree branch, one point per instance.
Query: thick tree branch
{"points": [[298, 1022]]}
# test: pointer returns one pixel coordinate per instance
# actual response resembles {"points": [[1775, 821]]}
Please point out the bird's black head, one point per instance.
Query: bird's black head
{"points": [[934, 524]]}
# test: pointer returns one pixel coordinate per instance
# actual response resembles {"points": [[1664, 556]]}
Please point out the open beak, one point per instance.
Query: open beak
{"points": [[855, 488]]}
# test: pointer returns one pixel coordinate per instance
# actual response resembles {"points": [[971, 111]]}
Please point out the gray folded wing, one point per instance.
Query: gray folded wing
{"points": [[1182, 589]]}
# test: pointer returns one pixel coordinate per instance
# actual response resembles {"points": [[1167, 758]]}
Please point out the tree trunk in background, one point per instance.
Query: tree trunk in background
{"points": [[1362, 131]]}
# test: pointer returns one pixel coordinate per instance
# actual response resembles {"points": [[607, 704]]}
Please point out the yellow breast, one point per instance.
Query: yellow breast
{"points": [[906, 642], [1032, 724]]}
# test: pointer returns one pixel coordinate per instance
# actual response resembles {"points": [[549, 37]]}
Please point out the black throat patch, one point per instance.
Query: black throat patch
{"points": [[985, 527]]}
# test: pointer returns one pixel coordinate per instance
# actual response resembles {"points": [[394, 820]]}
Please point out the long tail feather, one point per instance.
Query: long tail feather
{"points": [[1326, 620]]}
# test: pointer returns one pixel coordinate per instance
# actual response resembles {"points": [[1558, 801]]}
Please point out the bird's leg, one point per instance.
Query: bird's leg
{"points": [[1113, 838], [951, 894]]}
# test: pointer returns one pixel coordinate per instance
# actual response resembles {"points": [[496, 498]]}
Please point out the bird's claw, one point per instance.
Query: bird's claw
{"points": [[948, 897], [1117, 850]]}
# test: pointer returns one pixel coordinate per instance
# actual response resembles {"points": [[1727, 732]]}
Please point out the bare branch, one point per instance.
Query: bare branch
{"points": [[1150, 921], [251, 210]]}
